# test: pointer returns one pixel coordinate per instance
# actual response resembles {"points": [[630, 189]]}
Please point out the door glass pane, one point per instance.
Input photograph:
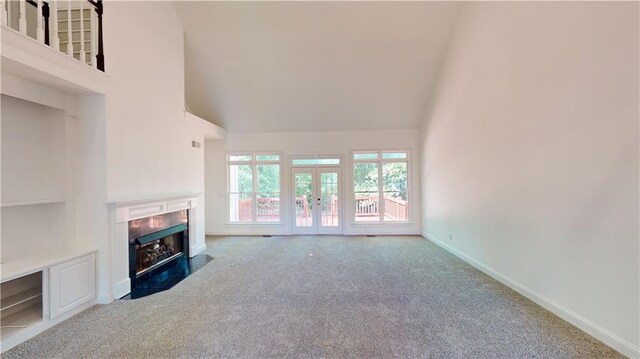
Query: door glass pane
{"points": [[304, 199], [240, 207], [268, 207], [329, 199], [365, 181], [396, 207]]}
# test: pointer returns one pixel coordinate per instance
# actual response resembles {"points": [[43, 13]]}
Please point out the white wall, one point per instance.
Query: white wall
{"points": [[530, 157], [306, 143], [149, 149]]}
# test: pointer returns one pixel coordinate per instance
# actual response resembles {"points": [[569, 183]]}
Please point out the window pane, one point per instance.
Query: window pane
{"points": [[365, 156], [268, 178], [365, 177], [240, 178], [316, 161], [240, 207], [396, 207], [394, 155], [235, 158], [267, 158], [268, 207], [365, 181], [329, 199]]}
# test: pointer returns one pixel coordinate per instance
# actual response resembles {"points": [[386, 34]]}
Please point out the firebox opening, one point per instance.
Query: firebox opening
{"points": [[157, 248], [156, 241]]}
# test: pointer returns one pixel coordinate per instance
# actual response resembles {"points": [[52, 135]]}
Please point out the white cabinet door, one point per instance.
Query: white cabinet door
{"points": [[72, 283]]}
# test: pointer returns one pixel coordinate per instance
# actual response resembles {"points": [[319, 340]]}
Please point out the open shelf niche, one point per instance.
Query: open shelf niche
{"points": [[34, 179], [21, 303]]}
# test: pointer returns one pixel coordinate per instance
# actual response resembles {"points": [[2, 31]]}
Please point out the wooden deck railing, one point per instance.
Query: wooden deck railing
{"points": [[396, 209]]}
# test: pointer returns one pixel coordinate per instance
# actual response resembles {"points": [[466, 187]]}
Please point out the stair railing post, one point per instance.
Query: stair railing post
{"points": [[69, 28], [22, 21], [94, 38], [55, 40], [100, 55], [45, 16], [83, 55], [3, 13], [39, 28]]}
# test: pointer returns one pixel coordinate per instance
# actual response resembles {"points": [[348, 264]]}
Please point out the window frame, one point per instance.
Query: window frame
{"points": [[254, 163], [381, 161]]}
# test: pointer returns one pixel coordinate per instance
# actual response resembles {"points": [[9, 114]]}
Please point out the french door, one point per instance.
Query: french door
{"points": [[317, 200]]}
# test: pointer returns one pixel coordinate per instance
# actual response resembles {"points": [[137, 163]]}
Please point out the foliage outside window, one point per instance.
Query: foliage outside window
{"points": [[254, 188], [380, 182]]}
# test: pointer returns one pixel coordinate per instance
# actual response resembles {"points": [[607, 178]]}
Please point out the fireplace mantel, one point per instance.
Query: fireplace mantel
{"points": [[124, 211]]}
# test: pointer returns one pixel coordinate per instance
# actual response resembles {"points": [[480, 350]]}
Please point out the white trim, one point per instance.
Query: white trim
{"points": [[580, 322]]}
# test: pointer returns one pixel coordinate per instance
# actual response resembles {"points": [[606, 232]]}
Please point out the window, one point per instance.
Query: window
{"points": [[381, 175], [315, 161], [254, 188]]}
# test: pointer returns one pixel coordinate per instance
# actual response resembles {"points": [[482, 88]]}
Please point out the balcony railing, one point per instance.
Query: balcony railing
{"points": [[367, 208], [73, 27]]}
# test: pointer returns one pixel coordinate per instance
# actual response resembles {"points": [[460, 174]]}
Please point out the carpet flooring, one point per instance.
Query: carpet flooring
{"points": [[321, 297]]}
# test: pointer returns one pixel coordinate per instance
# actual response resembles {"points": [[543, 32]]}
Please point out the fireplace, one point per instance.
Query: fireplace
{"points": [[155, 242]]}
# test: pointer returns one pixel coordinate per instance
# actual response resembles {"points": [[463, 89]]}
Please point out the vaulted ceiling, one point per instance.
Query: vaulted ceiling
{"points": [[313, 66]]}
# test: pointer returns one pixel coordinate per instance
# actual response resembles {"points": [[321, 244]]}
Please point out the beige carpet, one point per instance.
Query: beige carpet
{"points": [[321, 297]]}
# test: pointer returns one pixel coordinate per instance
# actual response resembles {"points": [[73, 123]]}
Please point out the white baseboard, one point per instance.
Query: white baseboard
{"points": [[378, 232], [582, 323]]}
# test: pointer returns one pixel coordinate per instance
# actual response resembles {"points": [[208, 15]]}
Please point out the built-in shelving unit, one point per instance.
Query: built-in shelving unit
{"points": [[46, 273], [50, 193]]}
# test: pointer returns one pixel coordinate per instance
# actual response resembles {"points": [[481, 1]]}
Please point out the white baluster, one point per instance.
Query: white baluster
{"points": [[3, 12], [39, 27], [22, 21], [53, 19], [94, 36], [83, 55], [69, 28]]}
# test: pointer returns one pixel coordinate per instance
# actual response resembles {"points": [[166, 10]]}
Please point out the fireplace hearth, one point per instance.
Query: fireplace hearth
{"points": [[155, 242]]}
